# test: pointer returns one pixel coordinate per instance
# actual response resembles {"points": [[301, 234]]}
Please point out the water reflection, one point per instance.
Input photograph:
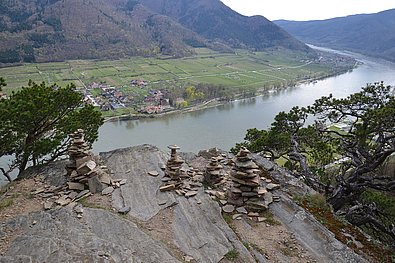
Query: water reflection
{"points": [[247, 102]]}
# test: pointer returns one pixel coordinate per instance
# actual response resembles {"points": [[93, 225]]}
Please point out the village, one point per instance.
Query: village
{"points": [[108, 98]]}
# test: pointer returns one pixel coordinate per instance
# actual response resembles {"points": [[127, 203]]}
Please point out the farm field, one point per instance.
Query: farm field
{"points": [[241, 70]]}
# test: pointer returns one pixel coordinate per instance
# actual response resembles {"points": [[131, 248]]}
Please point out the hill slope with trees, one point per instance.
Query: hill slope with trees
{"points": [[214, 20], [40, 31], [370, 34]]}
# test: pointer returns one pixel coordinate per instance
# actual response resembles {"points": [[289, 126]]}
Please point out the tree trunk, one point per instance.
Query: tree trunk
{"points": [[361, 214], [23, 165], [338, 198]]}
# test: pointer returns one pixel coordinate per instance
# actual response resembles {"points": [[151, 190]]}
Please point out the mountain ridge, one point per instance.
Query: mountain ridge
{"points": [[370, 34], [56, 30], [214, 20]]}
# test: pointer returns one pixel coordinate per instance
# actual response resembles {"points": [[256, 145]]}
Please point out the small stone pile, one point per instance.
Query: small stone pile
{"points": [[83, 169], [213, 171], [246, 190], [173, 171], [184, 181]]}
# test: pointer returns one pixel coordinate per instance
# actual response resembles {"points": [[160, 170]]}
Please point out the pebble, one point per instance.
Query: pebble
{"points": [[48, 205], [228, 208], [236, 216], [153, 173], [124, 210], [188, 258], [191, 193], [223, 202], [253, 214], [108, 190], [241, 210], [123, 181]]}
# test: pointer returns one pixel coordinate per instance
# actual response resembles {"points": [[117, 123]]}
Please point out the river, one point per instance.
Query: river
{"points": [[225, 125]]}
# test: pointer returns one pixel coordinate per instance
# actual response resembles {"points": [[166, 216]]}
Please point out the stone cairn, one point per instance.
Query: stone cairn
{"points": [[246, 190], [173, 171], [213, 171], [83, 169], [185, 182]]}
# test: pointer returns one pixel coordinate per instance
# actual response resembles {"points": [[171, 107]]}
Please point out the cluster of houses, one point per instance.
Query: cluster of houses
{"points": [[138, 82], [155, 102], [109, 98]]}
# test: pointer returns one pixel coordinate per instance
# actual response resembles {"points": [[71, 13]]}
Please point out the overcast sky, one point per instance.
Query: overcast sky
{"points": [[307, 9]]}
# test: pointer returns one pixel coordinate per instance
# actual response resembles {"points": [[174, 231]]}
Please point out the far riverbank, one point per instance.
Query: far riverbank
{"points": [[219, 102]]}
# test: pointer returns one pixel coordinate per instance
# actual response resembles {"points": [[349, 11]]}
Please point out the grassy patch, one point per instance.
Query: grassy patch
{"points": [[228, 218], [232, 254], [6, 203], [286, 251], [270, 219], [84, 201], [247, 245], [317, 206]]}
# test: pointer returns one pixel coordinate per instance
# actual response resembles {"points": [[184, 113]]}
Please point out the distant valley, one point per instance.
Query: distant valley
{"points": [[370, 34], [58, 30]]}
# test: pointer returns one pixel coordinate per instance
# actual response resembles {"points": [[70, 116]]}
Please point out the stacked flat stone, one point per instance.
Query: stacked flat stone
{"points": [[78, 148], [213, 171], [173, 167], [246, 179], [83, 169], [173, 170]]}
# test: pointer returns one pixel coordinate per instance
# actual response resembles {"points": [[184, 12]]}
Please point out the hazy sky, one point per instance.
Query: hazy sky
{"points": [[307, 9]]}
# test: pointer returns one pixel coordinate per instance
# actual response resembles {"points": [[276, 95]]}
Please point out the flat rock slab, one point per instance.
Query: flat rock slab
{"points": [[58, 236], [141, 193], [201, 232]]}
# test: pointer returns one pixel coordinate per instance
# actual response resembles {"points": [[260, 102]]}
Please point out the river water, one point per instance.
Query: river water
{"points": [[225, 125]]}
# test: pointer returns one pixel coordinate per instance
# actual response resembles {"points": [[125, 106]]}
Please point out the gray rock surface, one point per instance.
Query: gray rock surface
{"points": [[53, 173], [199, 228], [311, 234], [141, 192], [58, 236]]}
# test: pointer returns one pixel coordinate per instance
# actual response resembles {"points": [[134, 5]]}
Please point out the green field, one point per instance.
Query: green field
{"points": [[240, 70]]}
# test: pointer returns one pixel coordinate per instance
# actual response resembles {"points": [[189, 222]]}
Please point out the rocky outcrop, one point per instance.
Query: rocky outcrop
{"points": [[198, 229], [159, 226]]}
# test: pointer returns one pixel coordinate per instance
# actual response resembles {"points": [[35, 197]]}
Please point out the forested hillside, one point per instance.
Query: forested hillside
{"points": [[371, 34], [55, 30]]}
